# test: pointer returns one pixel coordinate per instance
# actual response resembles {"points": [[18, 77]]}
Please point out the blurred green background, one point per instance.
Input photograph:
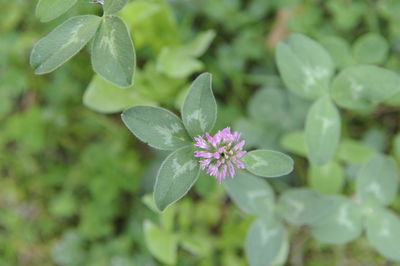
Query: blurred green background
{"points": [[73, 180]]}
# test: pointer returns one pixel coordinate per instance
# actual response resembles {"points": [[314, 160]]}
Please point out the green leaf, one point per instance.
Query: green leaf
{"points": [[162, 244], [105, 97], [251, 194], [305, 66], [267, 163], [176, 63], [265, 241], [328, 179], [295, 142], [353, 151], [156, 126], [113, 54], [383, 233], [342, 224], [199, 109], [176, 176], [181, 61], [363, 87], [63, 42], [378, 180], [113, 6], [48, 10], [370, 48], [303, 206], [339, 49], [322, 131]]}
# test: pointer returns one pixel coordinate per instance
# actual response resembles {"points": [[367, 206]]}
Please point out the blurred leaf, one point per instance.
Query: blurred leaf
{"points": [[162, 244], [295, 142], [303, 206], [383, 233], [305, 66], [113, 54], [200, 44], [370, 48], [268, 163], [157, 127], [322, 131], [264, 242], [176, 176], [48, 10], [353, 151], [328, 179], [105, 97], [113, 6], [63, 42], [339, 50], [199, 110], [69, 250], [378, 180], [251, 194], [342, 224], [363, 87]]}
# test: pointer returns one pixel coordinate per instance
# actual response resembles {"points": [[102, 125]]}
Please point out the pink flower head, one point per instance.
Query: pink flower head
{"points": [[220, 153]]}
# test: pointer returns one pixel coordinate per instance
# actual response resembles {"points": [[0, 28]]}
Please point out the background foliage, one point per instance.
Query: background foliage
{"points": [[74, 182]]}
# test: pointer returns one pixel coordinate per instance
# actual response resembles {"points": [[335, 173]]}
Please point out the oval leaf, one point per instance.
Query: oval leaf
{"points": [[303, 206], [305, 66], [378, 180], [370, 48], [322, 132], [156, 126], [113, 6], [105, 97], [199, 110], [363, 87], [327, 179], [113, 54], [251, 194], [342, 224], [383, 232], [176, 176], [267, 163], [63, 42], [161, 243], [265, 241], [48, 10]]}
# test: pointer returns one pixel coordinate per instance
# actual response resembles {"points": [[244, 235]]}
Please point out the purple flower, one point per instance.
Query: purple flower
{"points": [[220, 153]]}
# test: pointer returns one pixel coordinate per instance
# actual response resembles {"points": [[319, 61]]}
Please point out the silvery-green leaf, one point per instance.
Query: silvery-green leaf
{"points": [[363, 87], [199, 109], [339, 49], [322, 131], [383, 233], [156, 126], [113, 54], [378, 180], [327, 179], [370, 48], [303, 206], [251, 194], [48, 10], [176, 176], [305, 66], [63, 42], [113, 6], [267, 163], [264, 242], [162, 244], [342, 224], [104, 97]]}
